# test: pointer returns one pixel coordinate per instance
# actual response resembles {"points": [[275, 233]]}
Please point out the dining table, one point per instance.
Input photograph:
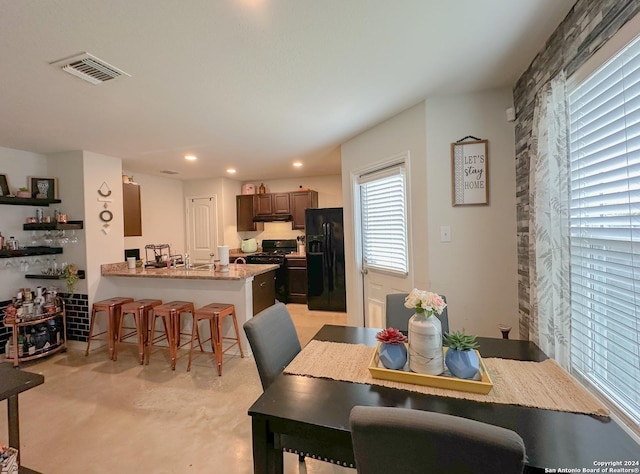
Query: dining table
{"points": [[317, 411], [14, 381]]}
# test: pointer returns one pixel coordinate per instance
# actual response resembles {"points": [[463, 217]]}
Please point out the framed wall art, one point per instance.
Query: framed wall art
{"points": [[43, 187], [4, 185], [469, 172]]}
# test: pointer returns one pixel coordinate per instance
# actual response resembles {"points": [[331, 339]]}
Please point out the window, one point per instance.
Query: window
{"points": [[605, 229], [384, 222]]}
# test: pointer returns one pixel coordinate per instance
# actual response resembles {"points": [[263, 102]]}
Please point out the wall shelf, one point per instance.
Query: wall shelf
{"points": [[69, 225], [81, 276], [28, 251], [16, 201]]}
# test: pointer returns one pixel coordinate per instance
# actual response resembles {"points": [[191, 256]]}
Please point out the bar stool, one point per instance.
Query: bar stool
{"points": [[170, 313], [112, 307], [140, 310], [215, 313]]}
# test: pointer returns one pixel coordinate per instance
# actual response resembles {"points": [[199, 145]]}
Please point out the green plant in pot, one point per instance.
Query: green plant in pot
{"points": [[461, 359], [23, 193], [71, 277], [393, 352]]}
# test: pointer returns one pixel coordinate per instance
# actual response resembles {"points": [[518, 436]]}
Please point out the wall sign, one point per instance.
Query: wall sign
{"points": [[469, 172]]}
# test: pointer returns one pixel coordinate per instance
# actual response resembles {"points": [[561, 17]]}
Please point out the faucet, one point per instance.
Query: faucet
{"points": [[235, 262]]}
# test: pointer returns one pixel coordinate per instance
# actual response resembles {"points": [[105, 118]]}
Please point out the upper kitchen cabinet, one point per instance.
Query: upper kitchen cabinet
{"points": [[246, 204], [301, 200], [273, 203], [132, 209]]}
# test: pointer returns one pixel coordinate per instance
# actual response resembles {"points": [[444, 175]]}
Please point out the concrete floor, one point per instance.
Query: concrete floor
{"points": [[96, 416]]}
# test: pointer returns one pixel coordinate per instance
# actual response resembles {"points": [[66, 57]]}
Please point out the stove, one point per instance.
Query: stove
{"points": [[273, 252]]}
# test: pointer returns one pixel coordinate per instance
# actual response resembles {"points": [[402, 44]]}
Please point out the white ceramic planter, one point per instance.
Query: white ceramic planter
{"points": [[425, 345]]}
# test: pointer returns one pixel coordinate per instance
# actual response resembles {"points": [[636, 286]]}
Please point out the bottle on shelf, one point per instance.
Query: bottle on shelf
{"points": [[54, 333], [23, 346], [12, 244], [31, 347], [1, 241]]}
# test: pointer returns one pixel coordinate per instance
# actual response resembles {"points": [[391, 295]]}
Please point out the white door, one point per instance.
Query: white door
{"points": [[384, 238], [201, 228]]}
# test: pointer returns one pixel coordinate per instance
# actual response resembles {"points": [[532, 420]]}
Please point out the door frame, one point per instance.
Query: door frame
{"points": [[402, 157], [187, 218]]}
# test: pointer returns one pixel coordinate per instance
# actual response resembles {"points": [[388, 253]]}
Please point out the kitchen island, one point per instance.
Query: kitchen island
{"points": [[248, 287]]}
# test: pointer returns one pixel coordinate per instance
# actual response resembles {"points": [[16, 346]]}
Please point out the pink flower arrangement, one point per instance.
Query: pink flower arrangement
{"points": [[425, 301], [391, 336]]}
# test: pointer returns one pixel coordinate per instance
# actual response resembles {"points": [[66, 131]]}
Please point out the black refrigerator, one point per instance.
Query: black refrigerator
{"points": [[325, 259]]}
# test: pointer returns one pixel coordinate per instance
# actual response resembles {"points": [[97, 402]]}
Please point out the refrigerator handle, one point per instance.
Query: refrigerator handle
{"points": [[329, 255]]}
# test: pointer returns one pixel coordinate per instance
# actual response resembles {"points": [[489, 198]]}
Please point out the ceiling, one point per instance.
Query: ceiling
{"points": [[248, 84]]}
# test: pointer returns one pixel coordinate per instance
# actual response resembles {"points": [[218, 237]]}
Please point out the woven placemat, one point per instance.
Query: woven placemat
{"points": [[532, 384]]}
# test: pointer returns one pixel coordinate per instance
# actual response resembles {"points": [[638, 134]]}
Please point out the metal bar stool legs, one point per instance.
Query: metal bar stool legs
{"points": [[140, 310], [170, 313], [112, 307], [215, 313]]}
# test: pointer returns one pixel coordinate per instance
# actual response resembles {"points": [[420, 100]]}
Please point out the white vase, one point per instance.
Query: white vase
{"points": [[425, 344]]}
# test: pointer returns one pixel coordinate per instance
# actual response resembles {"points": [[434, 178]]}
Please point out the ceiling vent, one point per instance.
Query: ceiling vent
{"points": [[91, 69], [169, 172]]}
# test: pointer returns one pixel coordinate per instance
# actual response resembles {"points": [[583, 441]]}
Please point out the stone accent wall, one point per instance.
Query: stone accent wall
{"points": [[584, 30]]}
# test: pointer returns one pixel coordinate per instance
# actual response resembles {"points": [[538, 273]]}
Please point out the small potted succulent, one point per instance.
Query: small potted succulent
{"points": [[461, 359], [23, 193], [393, 352]]}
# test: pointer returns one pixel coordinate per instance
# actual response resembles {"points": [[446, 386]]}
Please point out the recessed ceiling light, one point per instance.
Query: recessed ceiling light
{"points": [[190, 157], [231, 170], [297, 164]]}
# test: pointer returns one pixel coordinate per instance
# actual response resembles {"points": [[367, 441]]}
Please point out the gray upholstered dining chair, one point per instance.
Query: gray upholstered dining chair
{"points": [[389, 439], [274, 343], [398, 316], [273, 340]]}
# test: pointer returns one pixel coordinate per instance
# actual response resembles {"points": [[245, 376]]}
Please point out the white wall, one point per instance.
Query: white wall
{"points": [[17, 165], [225, 191], [163, 214], [102, 247], [402, 133], [68, 167], [478, 269]]}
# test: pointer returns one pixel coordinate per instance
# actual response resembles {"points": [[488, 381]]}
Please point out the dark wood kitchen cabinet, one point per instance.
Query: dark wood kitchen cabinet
{"points": [[264, 291], [273, 203], [245, 212], [297, 279], [132, 209], [301, 200]]}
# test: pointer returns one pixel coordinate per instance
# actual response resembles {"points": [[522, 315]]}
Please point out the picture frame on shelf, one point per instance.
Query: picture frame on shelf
{"points": [[4, 185], [43, 187]]}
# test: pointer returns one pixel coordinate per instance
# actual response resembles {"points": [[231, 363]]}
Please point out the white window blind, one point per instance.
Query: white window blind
{"points": [[605, 229], [384, 222]]}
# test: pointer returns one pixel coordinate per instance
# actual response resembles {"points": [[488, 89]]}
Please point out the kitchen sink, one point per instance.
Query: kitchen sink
{"points": [[202, 266]]}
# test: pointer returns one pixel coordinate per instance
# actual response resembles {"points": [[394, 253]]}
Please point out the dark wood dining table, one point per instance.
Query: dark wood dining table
{"points": [[14, 381], [317, 410]]}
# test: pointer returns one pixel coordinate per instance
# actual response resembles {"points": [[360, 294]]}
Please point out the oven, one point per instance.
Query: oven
{"points": [[273, 252]]}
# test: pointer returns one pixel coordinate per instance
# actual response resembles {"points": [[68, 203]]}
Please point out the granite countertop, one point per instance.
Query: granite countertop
{"points": [[296, 255], [236, 272]]}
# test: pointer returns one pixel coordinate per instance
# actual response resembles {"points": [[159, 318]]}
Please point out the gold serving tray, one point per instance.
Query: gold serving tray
{"points": [[484, 385]]}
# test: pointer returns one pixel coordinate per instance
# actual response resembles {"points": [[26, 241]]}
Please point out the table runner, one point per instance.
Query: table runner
{"points": [[543, 385]]}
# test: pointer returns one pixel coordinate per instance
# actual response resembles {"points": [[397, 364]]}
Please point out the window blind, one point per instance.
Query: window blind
{"points": [[384, 223], [605, 229]]}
